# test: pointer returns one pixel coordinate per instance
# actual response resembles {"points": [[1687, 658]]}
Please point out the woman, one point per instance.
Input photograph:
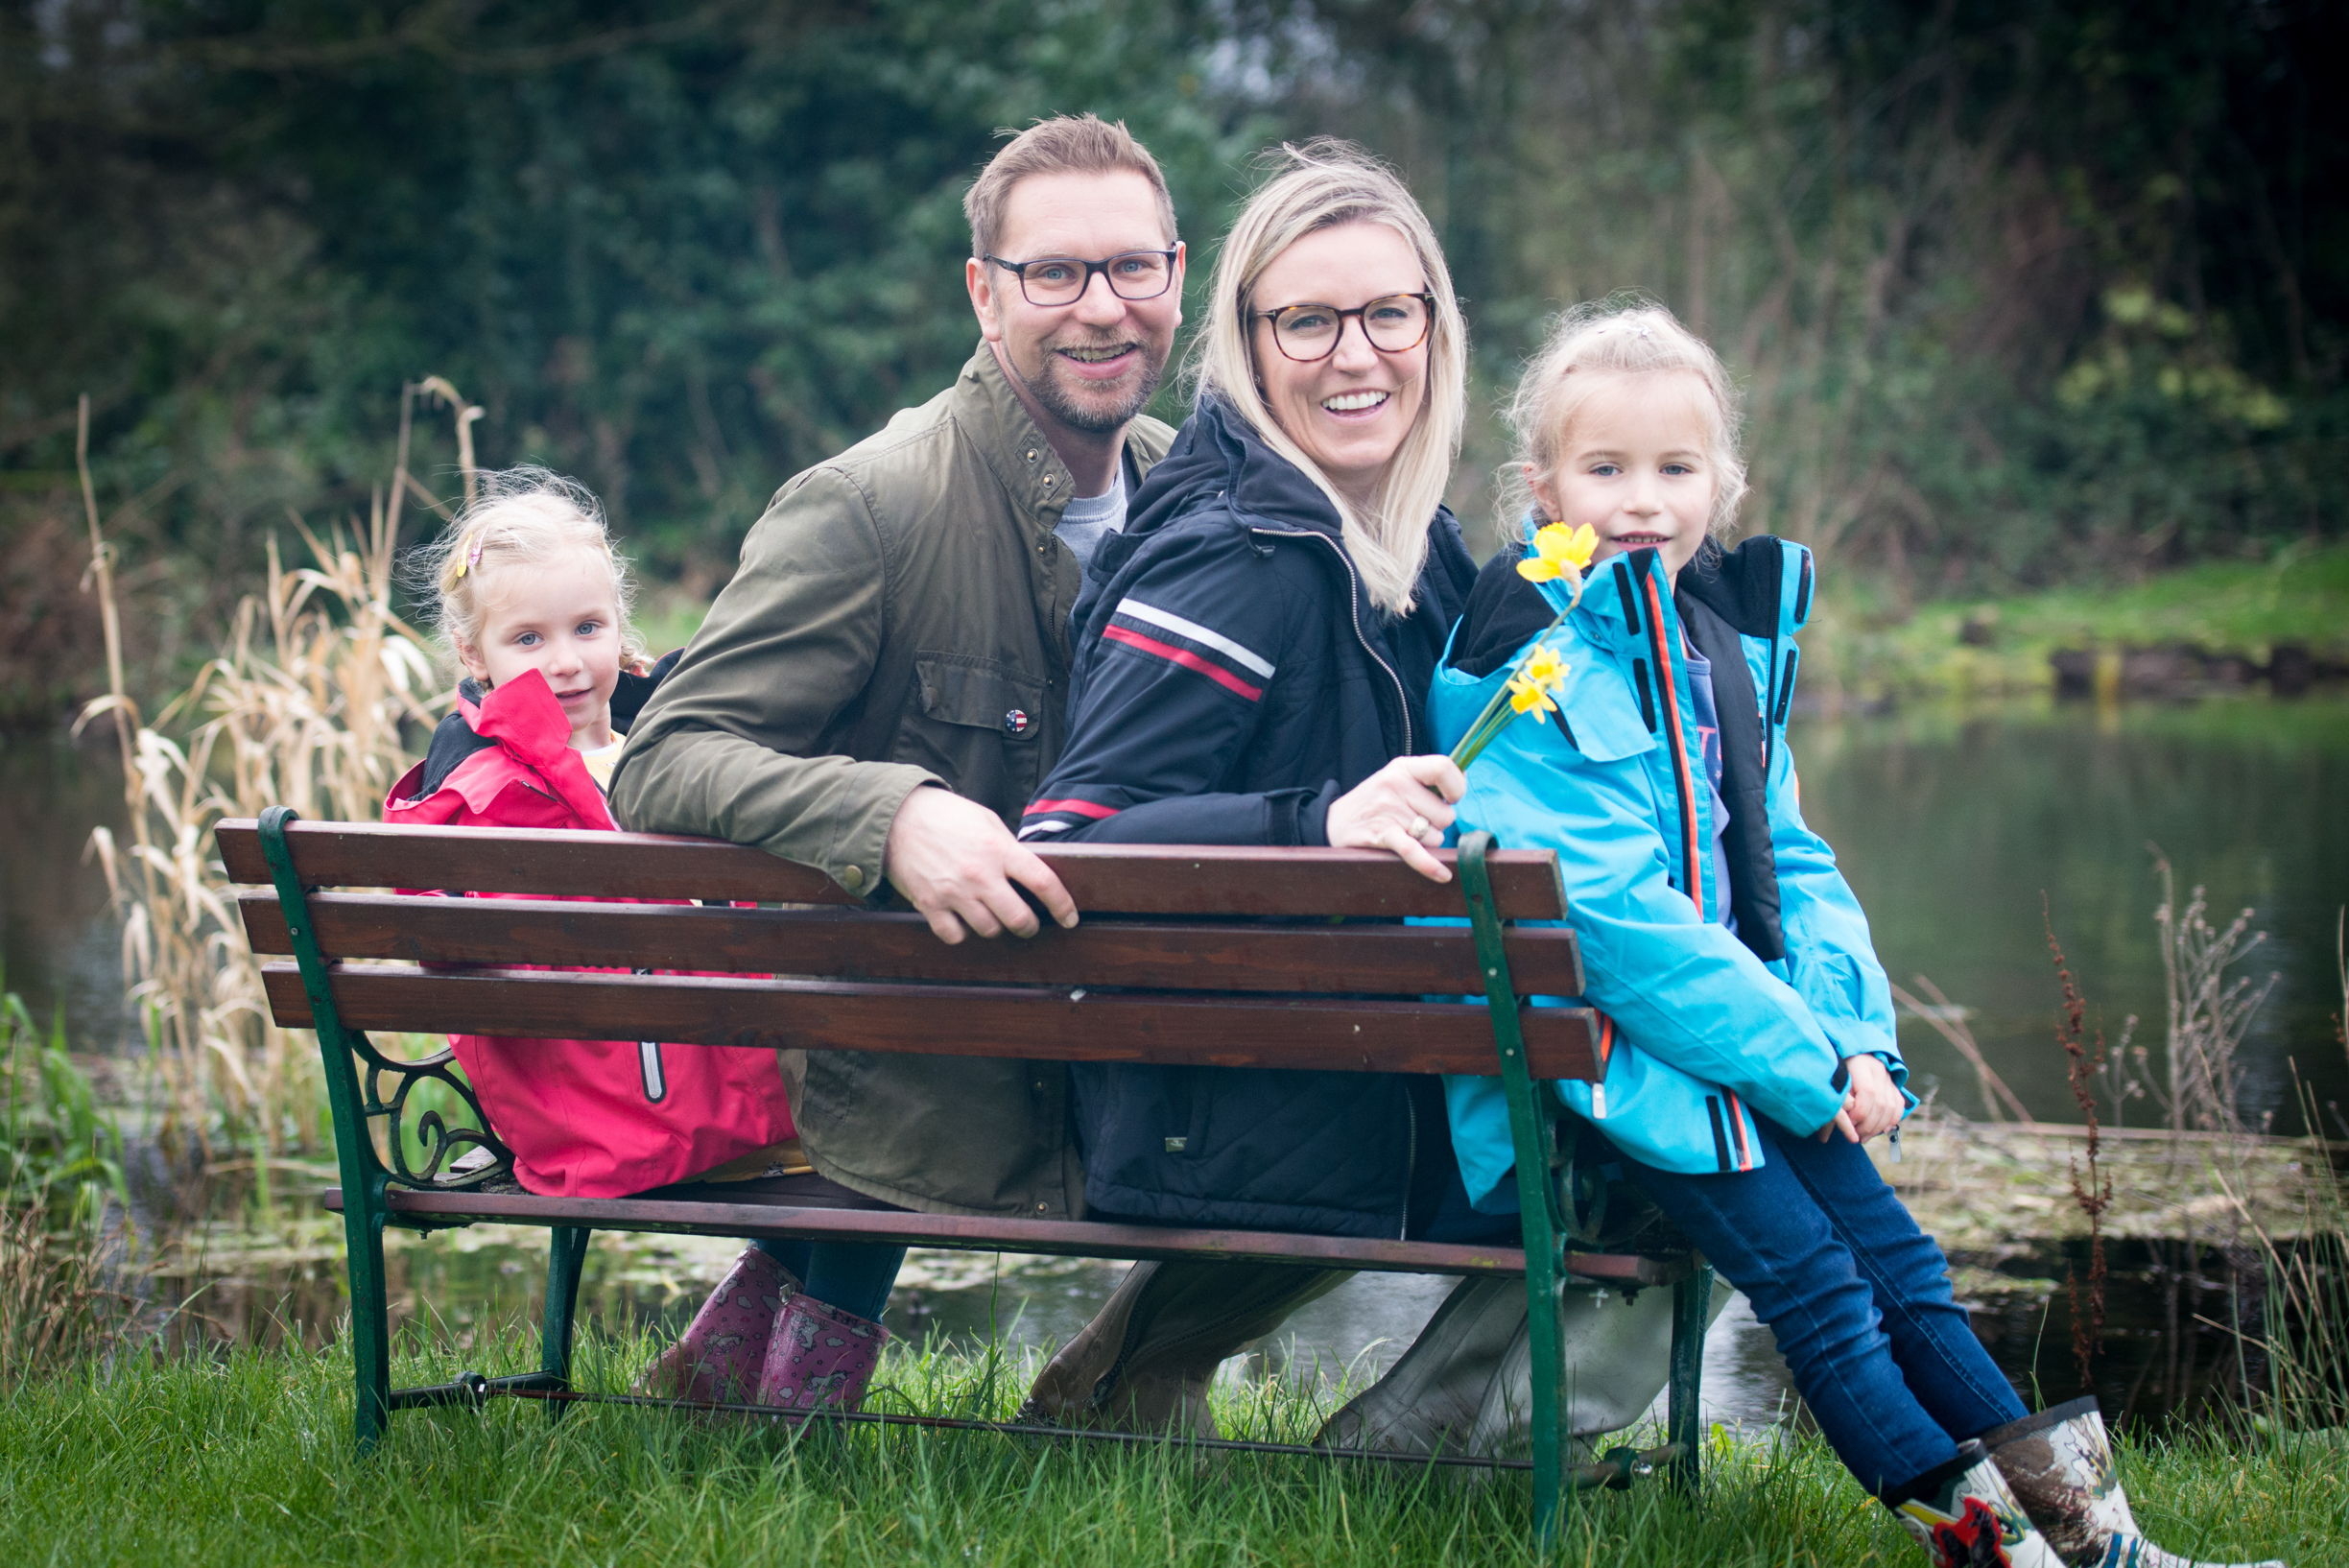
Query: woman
{"points": [[1251, 657]]}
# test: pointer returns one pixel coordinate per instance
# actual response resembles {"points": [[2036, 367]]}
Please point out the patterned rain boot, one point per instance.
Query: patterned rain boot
{"points": [[820, 1356], [721, 1352], [2060, 1467], [1964, 1516]]}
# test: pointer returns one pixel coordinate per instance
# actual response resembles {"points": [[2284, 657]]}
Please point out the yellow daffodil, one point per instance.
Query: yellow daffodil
{"points": [[1529, 689], [1526, 698], [1560, 551]]}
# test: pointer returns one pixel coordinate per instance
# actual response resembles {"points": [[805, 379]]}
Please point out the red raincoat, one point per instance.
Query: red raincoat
{"points": [[585, 1118]]}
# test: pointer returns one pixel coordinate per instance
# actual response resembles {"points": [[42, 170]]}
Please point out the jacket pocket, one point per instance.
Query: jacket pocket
{"points": [[1598, 704], [979, 723]]}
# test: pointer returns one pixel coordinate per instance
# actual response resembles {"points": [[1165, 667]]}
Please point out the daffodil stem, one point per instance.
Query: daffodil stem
{"points": [[1498, 712]]}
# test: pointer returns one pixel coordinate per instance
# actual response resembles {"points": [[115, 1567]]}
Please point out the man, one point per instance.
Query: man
{"points": [[882, 685]]}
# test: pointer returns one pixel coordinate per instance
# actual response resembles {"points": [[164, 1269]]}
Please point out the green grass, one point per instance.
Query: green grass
{"points": [[1865, 643], [247, 1460]]}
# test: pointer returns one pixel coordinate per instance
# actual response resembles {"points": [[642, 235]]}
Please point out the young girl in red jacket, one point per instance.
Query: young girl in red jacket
{"points": [[532, 601]]}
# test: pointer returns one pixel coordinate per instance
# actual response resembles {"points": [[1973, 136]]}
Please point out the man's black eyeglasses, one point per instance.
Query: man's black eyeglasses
{"points": [[1063, 280]]}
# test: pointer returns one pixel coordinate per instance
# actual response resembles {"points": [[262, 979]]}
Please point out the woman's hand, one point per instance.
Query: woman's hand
{"points": [[1404, 807], [1873, 1105]]}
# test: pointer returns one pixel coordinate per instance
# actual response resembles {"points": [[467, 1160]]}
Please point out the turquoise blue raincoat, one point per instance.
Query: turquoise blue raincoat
{"points": [[1699, 1031]]}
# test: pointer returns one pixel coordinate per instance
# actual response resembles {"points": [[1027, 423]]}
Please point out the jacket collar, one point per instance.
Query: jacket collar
{"points": [[1762, 587], [524, 719], [1259, 483], [1008, 438]]}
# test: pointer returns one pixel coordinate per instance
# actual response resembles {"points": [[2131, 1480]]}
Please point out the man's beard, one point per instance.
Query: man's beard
{"points": [[1093, 419]]}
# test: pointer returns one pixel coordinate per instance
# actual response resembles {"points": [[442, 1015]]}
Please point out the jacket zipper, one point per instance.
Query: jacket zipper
{"points": [[1669, 699], [1354, 610], [1410, 1158]]}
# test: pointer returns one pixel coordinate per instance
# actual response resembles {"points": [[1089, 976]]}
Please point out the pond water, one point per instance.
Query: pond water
{"points": [[1952, 826]]}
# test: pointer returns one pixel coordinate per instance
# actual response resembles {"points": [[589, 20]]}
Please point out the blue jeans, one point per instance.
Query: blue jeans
{"points": [[854, 1276], [1856, 1294]]}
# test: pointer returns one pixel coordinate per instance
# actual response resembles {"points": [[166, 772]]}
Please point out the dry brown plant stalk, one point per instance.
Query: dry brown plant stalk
{"points": [[307, 704], [2208, 1011], [54, 1302], [2095, 1195], [1949, 1022], [2305, 1338]]}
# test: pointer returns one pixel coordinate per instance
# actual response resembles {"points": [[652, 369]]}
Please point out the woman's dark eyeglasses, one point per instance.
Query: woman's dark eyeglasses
{"points": [[1393, 324], [1063, 280]]}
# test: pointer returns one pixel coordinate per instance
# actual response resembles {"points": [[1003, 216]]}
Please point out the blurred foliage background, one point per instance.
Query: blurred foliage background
{"points": [[2020, 293]]}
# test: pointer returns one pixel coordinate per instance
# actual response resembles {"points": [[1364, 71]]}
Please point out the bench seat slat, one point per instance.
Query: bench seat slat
{"points": [[1391, 960], [1323, 1033], [1129, 879], [1066, 1238]]}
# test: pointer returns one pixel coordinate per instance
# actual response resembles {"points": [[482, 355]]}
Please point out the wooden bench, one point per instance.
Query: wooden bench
{"points": [[1235, 958]]}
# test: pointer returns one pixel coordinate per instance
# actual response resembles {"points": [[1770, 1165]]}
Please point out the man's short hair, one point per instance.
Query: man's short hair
{"points": [[1066, 144]]}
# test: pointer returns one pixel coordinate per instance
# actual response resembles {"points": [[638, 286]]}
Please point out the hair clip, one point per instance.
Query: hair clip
{"points": [[472, 558]]}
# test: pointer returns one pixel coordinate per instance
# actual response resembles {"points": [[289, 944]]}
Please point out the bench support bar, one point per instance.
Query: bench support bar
{"points": [[1617, 1468]]}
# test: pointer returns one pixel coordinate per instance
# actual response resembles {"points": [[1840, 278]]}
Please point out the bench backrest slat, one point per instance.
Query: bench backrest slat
{"points": [[1129, 879], [1358, 958], [1325, 1034], [1212, 955]]}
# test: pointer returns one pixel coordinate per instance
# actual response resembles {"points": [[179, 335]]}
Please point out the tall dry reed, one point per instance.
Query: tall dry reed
{"points": [[312, 703], [54, 1301], [2304, 1329]]}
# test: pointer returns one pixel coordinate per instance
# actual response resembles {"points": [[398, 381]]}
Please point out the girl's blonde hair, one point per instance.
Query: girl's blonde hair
{"points": [[1622, 335], [519, 517], [1320, 185]]}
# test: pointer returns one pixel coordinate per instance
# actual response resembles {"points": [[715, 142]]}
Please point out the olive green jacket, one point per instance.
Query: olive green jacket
{"points": [[899, 617]]}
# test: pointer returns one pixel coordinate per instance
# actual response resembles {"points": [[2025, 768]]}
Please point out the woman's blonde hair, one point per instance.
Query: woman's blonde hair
{"points": [[1622, 335], [1321, 184], [518, 517]]}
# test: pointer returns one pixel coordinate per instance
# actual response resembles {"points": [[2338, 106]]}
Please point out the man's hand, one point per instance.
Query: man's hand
{"points": [[955, 862], [1403, 807], [1873, 1105]]}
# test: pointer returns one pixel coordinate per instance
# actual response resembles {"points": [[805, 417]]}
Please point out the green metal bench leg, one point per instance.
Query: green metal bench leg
{"points": [[565, 1262], [363, 1174], [370, 1329], [1692, 1307], [1532, 1136]]}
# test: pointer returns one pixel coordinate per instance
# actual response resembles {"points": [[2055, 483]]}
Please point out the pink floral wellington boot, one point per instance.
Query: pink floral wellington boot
{"points": [[820, 1356], [720, 1355]]}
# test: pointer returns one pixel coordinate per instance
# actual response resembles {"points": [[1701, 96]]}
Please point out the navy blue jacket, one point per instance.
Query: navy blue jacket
{"points": [[1231, 680]]}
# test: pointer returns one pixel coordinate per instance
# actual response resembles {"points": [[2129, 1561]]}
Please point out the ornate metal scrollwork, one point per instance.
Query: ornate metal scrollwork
{"points": [[441, 1147]]}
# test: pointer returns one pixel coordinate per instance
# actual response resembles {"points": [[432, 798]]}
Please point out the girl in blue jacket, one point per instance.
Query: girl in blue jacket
{"points": [[1748, 1051]]}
